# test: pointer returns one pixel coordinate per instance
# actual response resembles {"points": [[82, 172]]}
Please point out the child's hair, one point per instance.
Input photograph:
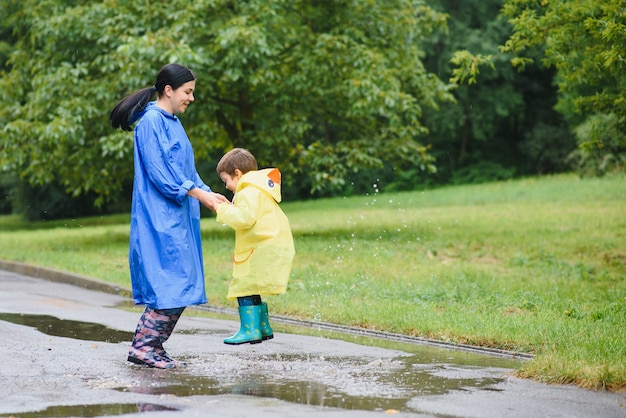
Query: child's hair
{"points": [[124, 114], [237, 158]]}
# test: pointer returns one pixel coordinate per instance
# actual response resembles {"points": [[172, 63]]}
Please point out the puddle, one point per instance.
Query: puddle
{"points": [[78, 330], [352, 383], [308, 393], [91, 410], [314, 393], [329, 378]]}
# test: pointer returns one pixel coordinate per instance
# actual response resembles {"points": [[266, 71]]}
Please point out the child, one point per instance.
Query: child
{"points": [[264, 247]]}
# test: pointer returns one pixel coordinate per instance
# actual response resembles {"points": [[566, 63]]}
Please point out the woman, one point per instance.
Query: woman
{"points": [[165, 253]]}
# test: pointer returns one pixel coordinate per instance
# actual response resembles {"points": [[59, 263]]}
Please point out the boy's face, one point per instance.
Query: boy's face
{"points": [[231, 181]]}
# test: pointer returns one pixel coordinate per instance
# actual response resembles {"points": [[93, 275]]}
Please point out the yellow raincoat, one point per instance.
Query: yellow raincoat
{"points": [[264, 247]]}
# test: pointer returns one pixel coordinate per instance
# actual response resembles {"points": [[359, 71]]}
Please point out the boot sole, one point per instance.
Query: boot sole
{"points": [[244, 342], [268, 337], [135, 360], [140, 362]]}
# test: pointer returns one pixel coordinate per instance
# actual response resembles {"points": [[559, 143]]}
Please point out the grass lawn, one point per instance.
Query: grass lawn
{"points": [[535, 265]]}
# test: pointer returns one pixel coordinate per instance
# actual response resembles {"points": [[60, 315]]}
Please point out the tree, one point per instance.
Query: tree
{"points": [[320, 89], [503, 122], [583, 40]]}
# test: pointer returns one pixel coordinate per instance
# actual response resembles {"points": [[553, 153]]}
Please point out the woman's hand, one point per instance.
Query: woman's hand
{"points": [[210, 200]]}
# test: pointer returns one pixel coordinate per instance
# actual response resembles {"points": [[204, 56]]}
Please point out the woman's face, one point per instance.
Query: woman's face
{"points": [[177, 101]]}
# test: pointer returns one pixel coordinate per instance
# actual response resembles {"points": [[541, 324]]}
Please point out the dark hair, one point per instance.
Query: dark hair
{"points": [[237, 158], [124, 114]]}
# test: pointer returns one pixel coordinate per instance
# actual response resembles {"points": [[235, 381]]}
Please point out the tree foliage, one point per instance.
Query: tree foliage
{"points": [[502, 123], [320, 89], [583, 40]]}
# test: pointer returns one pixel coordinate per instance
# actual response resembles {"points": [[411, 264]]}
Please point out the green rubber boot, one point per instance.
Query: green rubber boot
{"points": [[249, 330], [266, 329]]}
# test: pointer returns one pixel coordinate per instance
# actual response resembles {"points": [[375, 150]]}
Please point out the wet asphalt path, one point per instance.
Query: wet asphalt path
{"points": [[64, 355]]}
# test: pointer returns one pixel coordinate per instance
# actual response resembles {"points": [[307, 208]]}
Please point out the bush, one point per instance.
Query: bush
{"points": [[7, 190], [43, 203], [601, 146], [482, 172]]}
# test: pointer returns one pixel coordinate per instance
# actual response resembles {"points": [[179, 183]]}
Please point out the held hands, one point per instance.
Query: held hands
{"points": [[214, 200], [209, 199]]}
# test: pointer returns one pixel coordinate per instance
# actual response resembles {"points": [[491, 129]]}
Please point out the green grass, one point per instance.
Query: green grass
{"points": [[535, 265]]}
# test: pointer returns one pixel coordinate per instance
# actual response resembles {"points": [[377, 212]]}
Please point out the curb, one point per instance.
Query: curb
{"points": [[64, 277], [102, 286]]}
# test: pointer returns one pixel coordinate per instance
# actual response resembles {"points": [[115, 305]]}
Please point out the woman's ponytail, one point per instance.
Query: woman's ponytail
{"points": [[127, 110]]}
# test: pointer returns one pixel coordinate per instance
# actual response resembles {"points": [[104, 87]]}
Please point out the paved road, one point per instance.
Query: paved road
{"points": [[64, 355]]}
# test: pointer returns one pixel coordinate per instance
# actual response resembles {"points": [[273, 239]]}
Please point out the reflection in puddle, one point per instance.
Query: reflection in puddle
{"points": [[307, 393], [91, 410], [78, 330], [338, 382]]}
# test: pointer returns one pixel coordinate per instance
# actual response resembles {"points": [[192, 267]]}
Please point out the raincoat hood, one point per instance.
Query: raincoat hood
{"points": [[150, 106], [267, 180]]}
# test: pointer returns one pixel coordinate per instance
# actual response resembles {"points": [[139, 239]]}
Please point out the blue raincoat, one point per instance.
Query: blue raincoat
{"points": [[165, 253]]}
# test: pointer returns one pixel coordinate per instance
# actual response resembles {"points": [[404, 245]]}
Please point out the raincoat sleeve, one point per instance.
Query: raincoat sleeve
{"points": [[243, 213], [159, 155], [200, 184]]}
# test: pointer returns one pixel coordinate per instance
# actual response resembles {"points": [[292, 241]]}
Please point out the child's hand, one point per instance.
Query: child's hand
{"points": [[214, 200], [210, 200]]}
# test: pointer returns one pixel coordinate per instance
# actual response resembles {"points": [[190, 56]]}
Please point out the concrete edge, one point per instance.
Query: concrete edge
{"points": [[64, 277]]}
